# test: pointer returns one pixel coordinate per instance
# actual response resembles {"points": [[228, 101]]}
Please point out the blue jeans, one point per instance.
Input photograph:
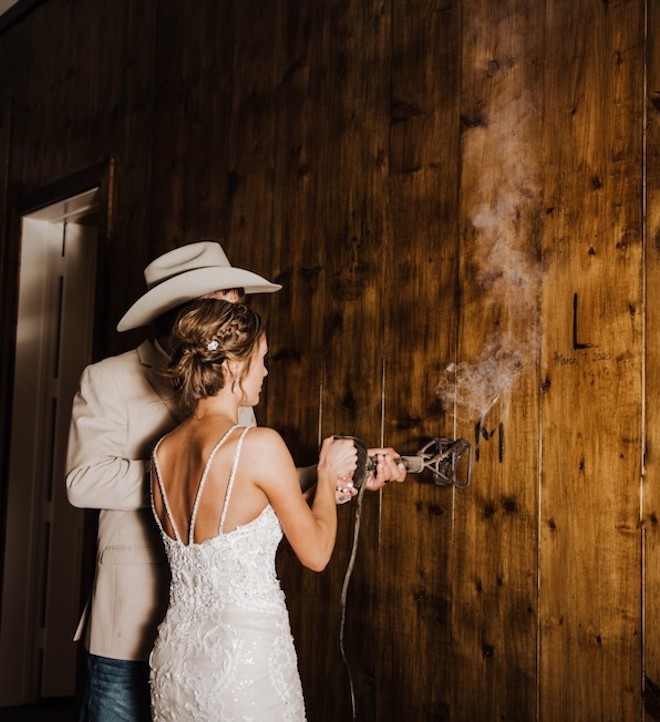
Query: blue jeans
{"points": [[116, 690]]}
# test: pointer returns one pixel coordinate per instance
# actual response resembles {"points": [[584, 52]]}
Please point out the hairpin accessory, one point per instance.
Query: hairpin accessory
{"points": [[212, 345]]}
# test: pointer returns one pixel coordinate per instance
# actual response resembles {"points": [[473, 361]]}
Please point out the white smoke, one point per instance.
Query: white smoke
{"points": [[504, 259]]}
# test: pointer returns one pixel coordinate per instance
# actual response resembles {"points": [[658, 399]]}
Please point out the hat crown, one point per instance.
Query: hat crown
{"points": [[204, 254], [185, 273]]}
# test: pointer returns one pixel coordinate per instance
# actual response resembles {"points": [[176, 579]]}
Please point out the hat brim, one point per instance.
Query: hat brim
{"points": [[187, 286]]}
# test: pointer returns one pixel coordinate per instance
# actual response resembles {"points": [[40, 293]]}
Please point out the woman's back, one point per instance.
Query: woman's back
{"points": [[195, 462]]}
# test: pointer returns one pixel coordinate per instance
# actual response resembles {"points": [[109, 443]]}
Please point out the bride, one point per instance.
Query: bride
{"points": [[223, 497]]}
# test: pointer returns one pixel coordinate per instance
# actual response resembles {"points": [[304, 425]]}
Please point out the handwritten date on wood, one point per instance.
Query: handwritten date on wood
{"points": [[581, 359]]}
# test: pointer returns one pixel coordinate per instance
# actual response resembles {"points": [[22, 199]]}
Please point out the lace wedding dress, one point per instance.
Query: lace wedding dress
{"points": [[224, 650]]}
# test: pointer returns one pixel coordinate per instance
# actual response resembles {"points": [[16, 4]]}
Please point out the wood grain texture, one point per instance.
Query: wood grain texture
{"points": [[420, 339], [590, 537], [651, 485], [299, 348], [252, 130], [352, 228], [192, 95], [495, 557]]}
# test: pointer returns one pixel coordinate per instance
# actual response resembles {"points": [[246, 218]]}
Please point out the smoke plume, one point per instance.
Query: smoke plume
{"points": [[503, 259]]}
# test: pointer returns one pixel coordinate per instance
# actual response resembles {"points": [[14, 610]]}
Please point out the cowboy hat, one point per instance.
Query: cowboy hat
{"points": [[185, 273]]}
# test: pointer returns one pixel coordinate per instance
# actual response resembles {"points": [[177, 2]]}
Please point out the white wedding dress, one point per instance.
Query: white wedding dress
{"points": [[224, 651]]}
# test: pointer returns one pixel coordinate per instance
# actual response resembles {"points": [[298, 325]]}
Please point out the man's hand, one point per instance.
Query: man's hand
{"points": [[387, 468]]}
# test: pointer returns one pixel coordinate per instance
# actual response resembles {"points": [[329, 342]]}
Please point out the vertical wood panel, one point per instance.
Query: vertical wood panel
{"points": [[191, 122], [590, 538], [494, 554], [252, 131], [354, 230], [126, 85], [651, 493], [296, 315], [420, 337]]}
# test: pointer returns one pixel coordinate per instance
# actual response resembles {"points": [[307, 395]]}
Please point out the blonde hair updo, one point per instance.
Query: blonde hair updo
{"points": [[206, 333]]}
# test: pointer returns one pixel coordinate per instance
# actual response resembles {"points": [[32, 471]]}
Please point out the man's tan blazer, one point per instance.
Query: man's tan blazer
{"points": [[121, 409]]}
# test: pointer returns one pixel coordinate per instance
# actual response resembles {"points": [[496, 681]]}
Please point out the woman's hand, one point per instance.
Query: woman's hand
{"points": [[340, 455], [345, 491]]}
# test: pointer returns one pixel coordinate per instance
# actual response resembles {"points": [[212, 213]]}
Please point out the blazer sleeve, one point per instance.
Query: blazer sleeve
{"points": [[100, 473]]}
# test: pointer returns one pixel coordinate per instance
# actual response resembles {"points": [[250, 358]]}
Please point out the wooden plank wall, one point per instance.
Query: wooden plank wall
{"points": [[297, 330], [495, 587], [590, 590], [452, 195], [420, 339], [651, 487]]}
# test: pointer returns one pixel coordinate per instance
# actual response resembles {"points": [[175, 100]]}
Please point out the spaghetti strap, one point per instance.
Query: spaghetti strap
{"points": [[155, 467], [207, 466], [161, 486], [232, 476]]}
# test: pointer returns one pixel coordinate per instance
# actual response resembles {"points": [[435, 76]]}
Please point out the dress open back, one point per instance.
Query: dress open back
{"points": [[224, 651]]}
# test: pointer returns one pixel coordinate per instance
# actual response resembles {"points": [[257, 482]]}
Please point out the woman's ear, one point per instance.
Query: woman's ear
{"points": [[231, 370]]}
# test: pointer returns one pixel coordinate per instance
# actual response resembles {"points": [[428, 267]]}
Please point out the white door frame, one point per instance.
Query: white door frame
{"points": [[41, 586]]}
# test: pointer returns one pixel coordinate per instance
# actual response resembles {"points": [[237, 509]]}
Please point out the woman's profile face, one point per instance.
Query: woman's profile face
{"points": [[254, 379]]}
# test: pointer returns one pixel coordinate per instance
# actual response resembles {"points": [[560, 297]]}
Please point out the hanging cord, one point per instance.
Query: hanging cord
{"points": [[344, 593], [440, 456]]}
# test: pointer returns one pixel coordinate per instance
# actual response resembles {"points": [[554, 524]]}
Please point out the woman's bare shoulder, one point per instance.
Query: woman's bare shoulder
{"points": [[265, 451], [264, 437]]}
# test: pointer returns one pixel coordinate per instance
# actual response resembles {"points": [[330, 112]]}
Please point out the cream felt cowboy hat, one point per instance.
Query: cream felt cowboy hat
{"points": [[185, 273]]}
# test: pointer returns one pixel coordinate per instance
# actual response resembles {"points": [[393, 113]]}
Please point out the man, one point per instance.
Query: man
{"points": [[121, 409]]}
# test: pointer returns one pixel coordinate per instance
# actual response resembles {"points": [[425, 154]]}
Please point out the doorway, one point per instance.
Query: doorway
{"points": [[43, 552]]}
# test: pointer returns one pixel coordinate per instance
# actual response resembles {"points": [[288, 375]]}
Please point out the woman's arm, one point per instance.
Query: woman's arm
{"points": [[310, 530]]}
